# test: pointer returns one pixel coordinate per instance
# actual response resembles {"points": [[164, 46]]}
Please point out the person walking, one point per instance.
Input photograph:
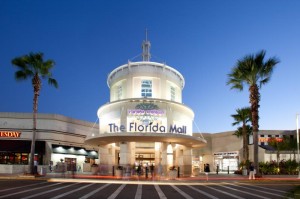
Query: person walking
{"points": [[152, 170], [206, 170], [251, 172]]}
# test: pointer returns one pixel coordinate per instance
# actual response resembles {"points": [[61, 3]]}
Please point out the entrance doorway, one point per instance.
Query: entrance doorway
{"points": [[145, 158], [71, 164], [226, 160]]}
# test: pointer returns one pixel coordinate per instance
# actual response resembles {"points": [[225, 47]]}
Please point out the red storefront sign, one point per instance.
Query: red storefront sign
{"points": [[262, 139], [10, 134]]}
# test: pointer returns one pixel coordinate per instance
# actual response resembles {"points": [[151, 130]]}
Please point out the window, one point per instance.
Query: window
{"points": [[119, 92], [13, 158], [172, 93], [146, 90]]}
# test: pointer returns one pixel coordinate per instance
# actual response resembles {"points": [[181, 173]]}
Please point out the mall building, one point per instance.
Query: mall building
{"points": [[144, 123]]}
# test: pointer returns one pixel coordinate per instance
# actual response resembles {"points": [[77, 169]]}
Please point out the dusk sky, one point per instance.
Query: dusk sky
{"points": [[201, 39]]}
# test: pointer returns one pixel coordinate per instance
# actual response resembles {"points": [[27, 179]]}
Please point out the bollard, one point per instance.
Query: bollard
{"points": [[113, 170], [178, 173], [217, 169], [228, 169]]}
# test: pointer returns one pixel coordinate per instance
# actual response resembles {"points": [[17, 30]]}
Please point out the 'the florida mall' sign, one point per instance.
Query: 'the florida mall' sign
{"points": [[10, 134], [134, 127], [147, 113]]}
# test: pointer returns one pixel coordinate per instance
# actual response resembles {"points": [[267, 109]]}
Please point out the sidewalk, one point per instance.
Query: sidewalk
{"points": [[201, 178]]}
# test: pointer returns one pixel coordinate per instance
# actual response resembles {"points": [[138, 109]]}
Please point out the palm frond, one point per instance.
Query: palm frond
{"points": [[52, 82]]}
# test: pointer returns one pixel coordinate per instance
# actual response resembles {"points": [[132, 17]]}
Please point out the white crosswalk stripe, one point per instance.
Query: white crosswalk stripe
{"points": [[116, 193], [256, 195], [51, 190], [184, 190], [257, 190], [138, 194], [181, 192], [25, 186], [266, 188], [8, 195], [93, 192], [160, 193], [224, 192], [202, 192], [69, 192]]}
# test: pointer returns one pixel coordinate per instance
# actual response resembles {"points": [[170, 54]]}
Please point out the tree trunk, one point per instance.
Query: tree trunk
{"points": [[244, 142], [247, 147], [254, 101], [36, 88]]}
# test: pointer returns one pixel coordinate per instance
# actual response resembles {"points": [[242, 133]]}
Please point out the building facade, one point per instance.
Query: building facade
{"points": [[59, 143], [62, 141], [144, 123]]}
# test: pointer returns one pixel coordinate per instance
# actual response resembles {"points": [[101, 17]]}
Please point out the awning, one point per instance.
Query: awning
{"points": [[107, 138], [61, 149]]}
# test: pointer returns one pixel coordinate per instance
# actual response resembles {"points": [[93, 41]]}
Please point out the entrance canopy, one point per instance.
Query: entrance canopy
{"points": [[107, 138]]}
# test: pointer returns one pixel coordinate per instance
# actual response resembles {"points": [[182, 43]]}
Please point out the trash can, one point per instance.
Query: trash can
{"points": [[43, 171], [245, 172]]}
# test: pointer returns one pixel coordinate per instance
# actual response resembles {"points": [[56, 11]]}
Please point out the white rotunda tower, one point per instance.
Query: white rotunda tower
{"points": [[145, 122]]}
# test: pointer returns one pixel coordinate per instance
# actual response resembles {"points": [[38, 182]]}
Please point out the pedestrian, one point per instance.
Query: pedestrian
{"points": [[251, 172], [147, 170], [206, 170], [139, 170], [152, 170]]}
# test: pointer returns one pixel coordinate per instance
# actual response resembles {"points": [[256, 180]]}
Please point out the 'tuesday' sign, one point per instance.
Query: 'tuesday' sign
{"points": [[10, 134]]}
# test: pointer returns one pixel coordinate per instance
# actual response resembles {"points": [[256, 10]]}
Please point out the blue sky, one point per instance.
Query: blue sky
{"points": [[201, 39]]}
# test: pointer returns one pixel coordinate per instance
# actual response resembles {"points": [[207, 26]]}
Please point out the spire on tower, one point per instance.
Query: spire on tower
{"points": [[146, 48]]}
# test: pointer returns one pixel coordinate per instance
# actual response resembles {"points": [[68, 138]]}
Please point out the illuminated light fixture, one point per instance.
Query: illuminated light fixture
{"points": [[169, 155]]}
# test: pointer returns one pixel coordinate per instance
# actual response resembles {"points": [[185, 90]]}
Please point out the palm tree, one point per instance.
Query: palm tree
{"points": [[279, 145], [33, 67], [243, 116], [253, 71], [291, 145]]}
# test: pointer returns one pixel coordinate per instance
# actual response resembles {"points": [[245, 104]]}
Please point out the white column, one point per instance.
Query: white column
{"points": [[170, 155], [187, 156], [164, 161], [125, 153], [107, 154], [157, 153]]}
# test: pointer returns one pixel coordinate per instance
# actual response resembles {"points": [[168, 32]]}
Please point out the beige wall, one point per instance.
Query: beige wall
{"points": [[226, 142]]}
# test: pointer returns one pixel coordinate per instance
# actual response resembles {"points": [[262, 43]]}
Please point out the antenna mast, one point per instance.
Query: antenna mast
{"points": [[146, 48]]}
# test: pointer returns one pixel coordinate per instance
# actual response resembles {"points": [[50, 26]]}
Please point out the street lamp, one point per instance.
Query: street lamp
{"points": [[297, 129]]}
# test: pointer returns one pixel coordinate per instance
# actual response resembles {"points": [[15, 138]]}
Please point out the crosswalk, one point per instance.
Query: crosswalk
{"points": [[85, 190]]}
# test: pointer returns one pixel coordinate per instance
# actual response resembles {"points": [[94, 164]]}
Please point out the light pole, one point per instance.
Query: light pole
{"points": [[297, 129]]}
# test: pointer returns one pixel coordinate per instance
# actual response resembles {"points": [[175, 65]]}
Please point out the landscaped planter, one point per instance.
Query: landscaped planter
{"points": [[172, 174], [119, 173], [196, 172], [94, 170]]}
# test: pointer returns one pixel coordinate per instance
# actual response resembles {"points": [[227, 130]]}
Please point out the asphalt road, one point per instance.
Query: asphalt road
{"points": [[136, 190]]}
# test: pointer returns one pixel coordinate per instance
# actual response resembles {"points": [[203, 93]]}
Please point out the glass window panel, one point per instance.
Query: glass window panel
{"points": [[146, 88]]}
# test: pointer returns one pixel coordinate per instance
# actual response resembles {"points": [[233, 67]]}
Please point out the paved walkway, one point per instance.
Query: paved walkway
{"points": [[201, 178]]}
